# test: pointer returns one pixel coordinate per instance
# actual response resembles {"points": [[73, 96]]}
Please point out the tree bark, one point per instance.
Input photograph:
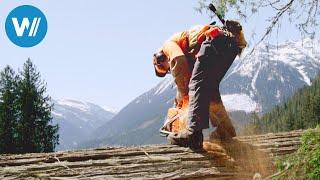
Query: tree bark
{"points": [[240, 158]]}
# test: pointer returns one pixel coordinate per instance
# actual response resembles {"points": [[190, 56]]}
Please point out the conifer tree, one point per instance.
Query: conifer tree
{"points": [[36, 133], [301, 111], [8, 111]]}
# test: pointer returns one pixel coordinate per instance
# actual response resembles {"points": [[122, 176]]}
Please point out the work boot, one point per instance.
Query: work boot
{"points": [[188, 138], [181, 138], [196, 141]]}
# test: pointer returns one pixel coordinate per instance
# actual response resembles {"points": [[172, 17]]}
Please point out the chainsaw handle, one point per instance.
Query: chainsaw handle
{"points": [[165, 133], [214, 10]]}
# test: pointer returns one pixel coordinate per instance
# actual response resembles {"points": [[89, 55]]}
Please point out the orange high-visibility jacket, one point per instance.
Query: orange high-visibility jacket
{"points": [[181, 44]]}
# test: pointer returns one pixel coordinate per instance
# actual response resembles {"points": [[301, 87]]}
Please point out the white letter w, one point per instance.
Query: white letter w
{"points": [[25, 25]]}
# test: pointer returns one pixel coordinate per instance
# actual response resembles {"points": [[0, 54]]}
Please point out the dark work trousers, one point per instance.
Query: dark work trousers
{"points": [[210, 67]]}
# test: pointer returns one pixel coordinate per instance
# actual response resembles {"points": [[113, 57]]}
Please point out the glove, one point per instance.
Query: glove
{"points": [[178, 103], [182, 102], [236, 29]]}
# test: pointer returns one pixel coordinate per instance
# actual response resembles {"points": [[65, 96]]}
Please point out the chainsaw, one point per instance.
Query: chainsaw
{"points": [[176, 121]]}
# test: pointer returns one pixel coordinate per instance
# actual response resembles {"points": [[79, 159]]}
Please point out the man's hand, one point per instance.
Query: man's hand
{"points": [[236, 29], [178, 103], [182, 102]]}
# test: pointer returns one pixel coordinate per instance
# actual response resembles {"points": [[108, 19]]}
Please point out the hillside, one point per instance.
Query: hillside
{"points": [[241, 158], [301, 111]]}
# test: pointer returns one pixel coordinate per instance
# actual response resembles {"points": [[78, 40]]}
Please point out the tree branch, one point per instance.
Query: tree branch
{"points": [[274, 21]]}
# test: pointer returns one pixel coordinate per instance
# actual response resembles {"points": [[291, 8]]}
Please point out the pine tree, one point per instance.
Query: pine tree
{"points": [[8, 111], [300, 111], [35, 131]]}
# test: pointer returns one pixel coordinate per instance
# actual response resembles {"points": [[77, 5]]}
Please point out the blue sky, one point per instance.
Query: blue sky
{"points": [[100, 51]]}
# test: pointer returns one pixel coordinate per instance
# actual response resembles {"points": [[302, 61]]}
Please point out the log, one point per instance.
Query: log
{"points": [[240, 158]]}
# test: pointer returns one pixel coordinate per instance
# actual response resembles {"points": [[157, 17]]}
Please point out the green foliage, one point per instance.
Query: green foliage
{"points": [[305, 14], [301, 111], [8, 112], [221, 5], [25, 116], [305, 163]]}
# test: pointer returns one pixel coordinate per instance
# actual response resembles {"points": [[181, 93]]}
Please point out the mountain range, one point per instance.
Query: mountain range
{"points": [[272, 73], [77, 120], [256, 82]]}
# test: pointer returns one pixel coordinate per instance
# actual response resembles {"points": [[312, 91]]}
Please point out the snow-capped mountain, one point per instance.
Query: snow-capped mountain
{"points": [[77, 120], [255, 82], [272, 73]]}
